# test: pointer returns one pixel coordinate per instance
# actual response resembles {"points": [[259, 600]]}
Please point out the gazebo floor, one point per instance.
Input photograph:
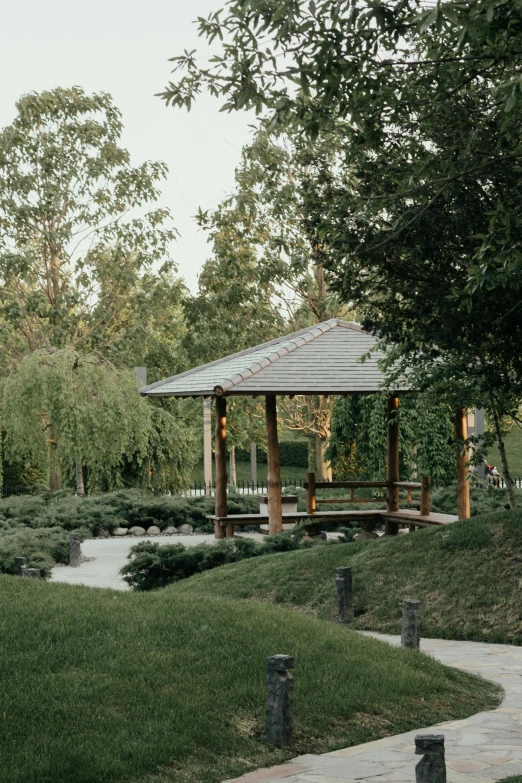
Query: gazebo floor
{"points": [[408, 516]]}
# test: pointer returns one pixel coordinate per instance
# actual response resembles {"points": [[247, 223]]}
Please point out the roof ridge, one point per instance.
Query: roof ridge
{"points": [[288, 346], [245, 352]]}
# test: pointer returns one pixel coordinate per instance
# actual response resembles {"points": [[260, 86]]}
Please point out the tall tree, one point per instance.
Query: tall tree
{"points": [[75, 234], [428, 102], [266, 270]]}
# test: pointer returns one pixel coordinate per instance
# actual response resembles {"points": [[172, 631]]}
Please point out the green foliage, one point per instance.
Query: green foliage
{"points": [[357, 446], [448, 566], [484, 499], [76, 269], [60, 406], [153, 565], [291, 452], [43, 547], [111, 686]]}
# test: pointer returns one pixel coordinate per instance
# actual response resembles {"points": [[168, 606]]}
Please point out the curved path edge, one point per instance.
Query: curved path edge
{"points": [[484, 747]]}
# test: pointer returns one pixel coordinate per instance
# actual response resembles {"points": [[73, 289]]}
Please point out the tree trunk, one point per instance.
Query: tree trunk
{"points": [[80, 486], [311, 453], [323, 469], [503, 457], [55, 473], [233, 476]]}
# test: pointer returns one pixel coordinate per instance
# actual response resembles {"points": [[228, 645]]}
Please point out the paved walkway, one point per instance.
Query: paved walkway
{"points": [[485, 747], [108, 555]]}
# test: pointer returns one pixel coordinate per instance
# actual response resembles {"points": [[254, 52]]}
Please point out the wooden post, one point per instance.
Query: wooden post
{"points": [[273, 483], [310, 493], [392, 462], [425, 496], [253, 464], [461, 432], [207, 444], [221, 462]]}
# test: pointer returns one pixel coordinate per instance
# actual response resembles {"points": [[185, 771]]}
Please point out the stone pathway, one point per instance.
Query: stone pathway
{"points": [[485, 747], [108, 555]]}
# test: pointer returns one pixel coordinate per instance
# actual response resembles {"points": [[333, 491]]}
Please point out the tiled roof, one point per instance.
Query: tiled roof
{"points": [[321, 359]]}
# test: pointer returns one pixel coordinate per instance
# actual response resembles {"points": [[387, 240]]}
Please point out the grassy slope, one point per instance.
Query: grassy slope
{"points": [[513, 451], [468, 576], [100, 686]]}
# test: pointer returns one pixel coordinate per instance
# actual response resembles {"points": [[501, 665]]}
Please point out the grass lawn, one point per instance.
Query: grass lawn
{"points": [[100, 686], [243, 472], [513, 451], [468, 576]]}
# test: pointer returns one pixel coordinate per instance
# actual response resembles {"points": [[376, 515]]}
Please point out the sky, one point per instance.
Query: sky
{"points": [[123, 48]]}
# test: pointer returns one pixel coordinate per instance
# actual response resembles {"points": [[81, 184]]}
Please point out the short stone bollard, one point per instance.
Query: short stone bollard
{"points": [[21, 565], [33, 573], [432, 766], [75, 553], [410, 636], [279, 692], [343, 583]]}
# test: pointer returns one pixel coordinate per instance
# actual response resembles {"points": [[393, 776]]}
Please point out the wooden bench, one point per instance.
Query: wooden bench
{"points": [[313, 519], [313, 522]]}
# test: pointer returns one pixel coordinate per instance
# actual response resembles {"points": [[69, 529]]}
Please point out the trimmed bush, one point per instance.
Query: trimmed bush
{"points": [[38, 527], [154, 565]]}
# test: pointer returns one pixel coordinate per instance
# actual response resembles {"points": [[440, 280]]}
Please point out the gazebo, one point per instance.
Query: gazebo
{"points": [[324, 359]]}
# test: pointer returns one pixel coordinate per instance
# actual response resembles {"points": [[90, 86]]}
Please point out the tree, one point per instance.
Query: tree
{"points": [[428, 104], [61, 408], [266, 271], [75, 241]]}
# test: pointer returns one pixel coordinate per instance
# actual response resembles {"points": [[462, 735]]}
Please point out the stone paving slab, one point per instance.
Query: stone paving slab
{"points": [[485, 747]]}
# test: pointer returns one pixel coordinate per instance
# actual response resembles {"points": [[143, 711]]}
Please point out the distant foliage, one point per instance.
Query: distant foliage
{"points": [[358, 441], [292, 453], [153, 565]]}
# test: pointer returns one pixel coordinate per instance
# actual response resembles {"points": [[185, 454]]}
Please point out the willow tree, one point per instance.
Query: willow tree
{"points": [[61, 408]]}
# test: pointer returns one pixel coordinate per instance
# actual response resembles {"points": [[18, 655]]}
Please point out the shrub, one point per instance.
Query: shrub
{"points": [[154, 565], [25, 520], [484, 500], [43, 548]]}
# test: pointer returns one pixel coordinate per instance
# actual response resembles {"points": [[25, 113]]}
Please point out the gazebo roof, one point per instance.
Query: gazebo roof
{"points": [[321, 359]]}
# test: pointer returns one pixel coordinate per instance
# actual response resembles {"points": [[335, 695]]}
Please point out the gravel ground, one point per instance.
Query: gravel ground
{"points": [[107, 555]]}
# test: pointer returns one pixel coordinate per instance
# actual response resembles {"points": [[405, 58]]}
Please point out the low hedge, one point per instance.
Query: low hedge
{"points": [[156, 565], [292, 453], [38, 527]]}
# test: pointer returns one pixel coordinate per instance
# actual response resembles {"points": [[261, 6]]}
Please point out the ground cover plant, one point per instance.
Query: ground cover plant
{"points": [[38, 527], [466, 574], [153, 565], [109, 687]]}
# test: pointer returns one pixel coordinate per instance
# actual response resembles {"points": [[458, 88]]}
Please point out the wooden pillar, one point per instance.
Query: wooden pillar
{"points": [[207, 444], [392, 453], [275, 510], [310, 493], [392, 462], [461, 433], [425, 496], [253, 464], [221, 462]]}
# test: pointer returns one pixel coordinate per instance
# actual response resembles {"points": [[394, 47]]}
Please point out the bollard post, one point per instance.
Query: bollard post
{"points": [[432, 766], [279, 692], [410, 636], [33, 573], [343, 583], [21, 564], [75, 553]]}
